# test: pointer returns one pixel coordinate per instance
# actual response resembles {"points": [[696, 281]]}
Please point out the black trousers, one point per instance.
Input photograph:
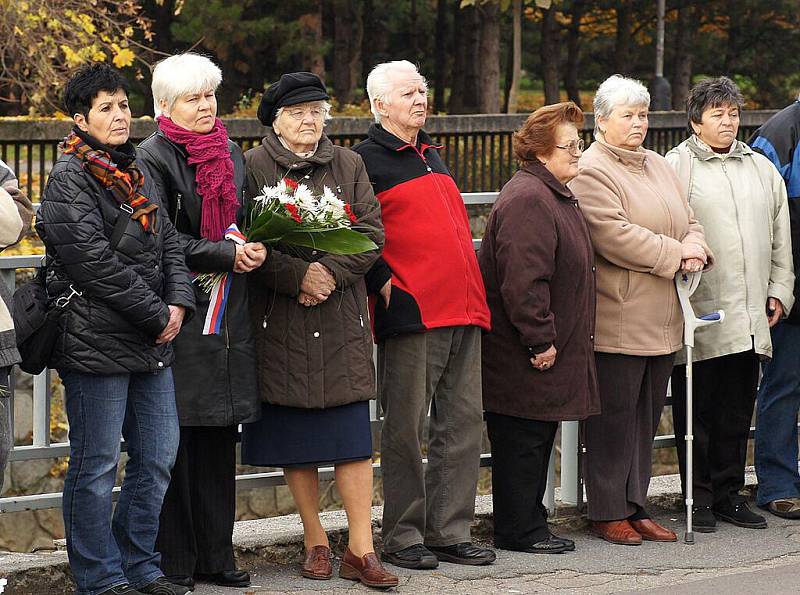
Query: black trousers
{"points": [[520, 455], [619, 441], [724, 396], [196, 523]]}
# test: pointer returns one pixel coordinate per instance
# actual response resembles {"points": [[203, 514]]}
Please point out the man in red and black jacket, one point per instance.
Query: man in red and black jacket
{"points": [[428, 307]]}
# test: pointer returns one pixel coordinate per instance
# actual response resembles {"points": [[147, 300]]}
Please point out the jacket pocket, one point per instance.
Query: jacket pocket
{"points": [[625, 284]]}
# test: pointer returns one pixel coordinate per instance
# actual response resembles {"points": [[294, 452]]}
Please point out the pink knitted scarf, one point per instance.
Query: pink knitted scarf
{"points": [[214, 174]]}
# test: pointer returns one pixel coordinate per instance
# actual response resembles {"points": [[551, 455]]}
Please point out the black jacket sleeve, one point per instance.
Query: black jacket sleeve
{"points": [[75, 231], [202, 255]]}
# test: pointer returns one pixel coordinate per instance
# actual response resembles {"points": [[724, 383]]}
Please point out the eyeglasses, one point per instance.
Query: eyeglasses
{"points": [[573, 147], [298, 114]]}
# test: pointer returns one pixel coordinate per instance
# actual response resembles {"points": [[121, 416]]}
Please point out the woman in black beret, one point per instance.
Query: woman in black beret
{"points": [[314, 346]]}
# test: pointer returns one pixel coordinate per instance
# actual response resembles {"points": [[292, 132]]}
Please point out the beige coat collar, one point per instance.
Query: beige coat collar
{"points": [[632, 159]]}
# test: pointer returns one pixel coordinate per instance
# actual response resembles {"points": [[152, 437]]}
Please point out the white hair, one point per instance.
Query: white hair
{"points": [[180, 75], [380, 82], [326, 107], [618, 90]]}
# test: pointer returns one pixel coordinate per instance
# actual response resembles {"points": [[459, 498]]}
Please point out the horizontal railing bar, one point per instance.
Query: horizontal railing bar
{"points": [[49, 130], [246, 481], [479, 198]]}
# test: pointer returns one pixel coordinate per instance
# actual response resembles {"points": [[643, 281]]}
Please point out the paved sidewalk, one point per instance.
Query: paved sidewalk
{"points": [[732, 561]]}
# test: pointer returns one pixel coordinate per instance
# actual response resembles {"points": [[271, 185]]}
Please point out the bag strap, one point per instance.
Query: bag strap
{"points": [[121, 224]]}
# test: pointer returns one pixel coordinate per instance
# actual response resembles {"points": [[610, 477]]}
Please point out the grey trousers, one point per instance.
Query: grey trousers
{"points": [[619, 441], [6, 430], [440, 368]]}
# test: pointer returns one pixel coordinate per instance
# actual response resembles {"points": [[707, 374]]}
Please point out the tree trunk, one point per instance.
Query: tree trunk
{"points": [[347, 35], [455, 104], [735, 15], [464, 92], [489, 66], [622, 48], [512, 82], [412, 32], [573, 52], [440, 56], [550, 56], [162, 15], [311, 26], [682, 69]]}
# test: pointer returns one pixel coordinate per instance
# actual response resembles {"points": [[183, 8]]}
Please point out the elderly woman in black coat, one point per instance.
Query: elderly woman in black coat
{"points": [[113, 253], [200, 174], [538, 361]]}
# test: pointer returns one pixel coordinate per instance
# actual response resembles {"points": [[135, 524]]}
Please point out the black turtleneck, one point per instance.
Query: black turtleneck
{"points": [[122, 155]]}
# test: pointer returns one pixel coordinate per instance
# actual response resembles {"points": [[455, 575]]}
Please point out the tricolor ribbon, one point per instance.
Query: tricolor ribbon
{"points": [[221, 289]]}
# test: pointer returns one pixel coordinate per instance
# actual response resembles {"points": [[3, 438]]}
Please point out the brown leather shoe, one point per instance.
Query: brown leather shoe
{"points": [[619, 532], [317, 564], [367, 569], [652, 531]]}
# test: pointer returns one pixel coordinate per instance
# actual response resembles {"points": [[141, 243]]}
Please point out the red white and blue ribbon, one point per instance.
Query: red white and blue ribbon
{"points": [[221, 289]]}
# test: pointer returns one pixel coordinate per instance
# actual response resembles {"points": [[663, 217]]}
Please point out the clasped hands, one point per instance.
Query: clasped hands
{"points": [[317, 285], [693, 257], [249, 257], [545, 360]]}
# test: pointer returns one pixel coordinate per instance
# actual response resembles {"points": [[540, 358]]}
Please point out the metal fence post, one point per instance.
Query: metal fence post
{"points": [[41, 408], [550, 491], [569, 462]]}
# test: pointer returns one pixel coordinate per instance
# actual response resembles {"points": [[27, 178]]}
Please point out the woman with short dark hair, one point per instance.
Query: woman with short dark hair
{"points": [[740, 198], [112, 250], [538, 361]]}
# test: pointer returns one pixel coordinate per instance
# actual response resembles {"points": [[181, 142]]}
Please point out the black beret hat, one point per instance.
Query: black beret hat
{"points": [[291, 89]]}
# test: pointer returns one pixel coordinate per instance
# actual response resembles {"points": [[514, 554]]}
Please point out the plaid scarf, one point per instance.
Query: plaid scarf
{"points": [[124, 182]]}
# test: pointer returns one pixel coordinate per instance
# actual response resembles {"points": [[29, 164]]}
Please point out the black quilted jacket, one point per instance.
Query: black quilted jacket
{"points": [[112, 327], [215, 375]]}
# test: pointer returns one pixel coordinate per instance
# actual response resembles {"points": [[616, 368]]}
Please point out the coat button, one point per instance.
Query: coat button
{"points": [[316, 334], [314, 252], [160, 364], [156, 267], [591, 337], [594, 269]]}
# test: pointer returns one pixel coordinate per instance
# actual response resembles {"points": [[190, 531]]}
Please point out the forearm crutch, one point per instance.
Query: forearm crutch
{"points": [[686, 283]]}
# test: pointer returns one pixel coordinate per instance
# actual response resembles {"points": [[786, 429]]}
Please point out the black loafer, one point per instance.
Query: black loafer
{"points": [[703, 519], [570, 545], [464, 553], [161, 586], [227, 578], [125, 589], [739, 514], [415, 557]]}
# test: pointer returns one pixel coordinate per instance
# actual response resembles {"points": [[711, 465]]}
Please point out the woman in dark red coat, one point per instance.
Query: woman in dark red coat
{"points": [[538, 360]]}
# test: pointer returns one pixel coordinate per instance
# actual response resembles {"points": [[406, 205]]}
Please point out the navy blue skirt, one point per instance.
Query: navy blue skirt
{"points": [[294, 437]]}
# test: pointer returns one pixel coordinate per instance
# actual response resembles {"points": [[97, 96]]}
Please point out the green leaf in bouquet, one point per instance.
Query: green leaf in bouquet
{"points": [[334, 241], [270, 227]]}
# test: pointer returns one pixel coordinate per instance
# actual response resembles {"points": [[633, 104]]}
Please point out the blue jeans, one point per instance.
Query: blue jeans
{"points": [[105, 552], [776, 422]]}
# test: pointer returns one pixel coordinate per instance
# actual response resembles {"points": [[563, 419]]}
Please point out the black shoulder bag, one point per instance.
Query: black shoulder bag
{"points": [[36, 318]]}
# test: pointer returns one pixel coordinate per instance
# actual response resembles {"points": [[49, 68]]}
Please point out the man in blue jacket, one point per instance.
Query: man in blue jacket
{"points": [[778, 402]]}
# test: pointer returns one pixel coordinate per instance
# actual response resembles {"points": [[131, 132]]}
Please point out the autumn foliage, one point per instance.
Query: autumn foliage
{"points": [[45, 40]]}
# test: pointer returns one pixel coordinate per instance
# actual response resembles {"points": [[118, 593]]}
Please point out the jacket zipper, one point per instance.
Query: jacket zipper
{"points": [[178, 206], [741, 245], [444, 199]]}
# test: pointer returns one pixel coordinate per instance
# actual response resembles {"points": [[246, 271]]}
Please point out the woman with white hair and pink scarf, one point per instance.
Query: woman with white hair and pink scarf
{"points": [[200, 175]]}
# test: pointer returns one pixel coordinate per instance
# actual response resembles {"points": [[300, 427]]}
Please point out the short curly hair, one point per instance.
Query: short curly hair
{"points": [[537, 136], [711, 93], [87, 82]]}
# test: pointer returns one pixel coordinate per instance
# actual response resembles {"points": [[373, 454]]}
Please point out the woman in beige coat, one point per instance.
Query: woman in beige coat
{"points": [[740, 198], [643, 233]]}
